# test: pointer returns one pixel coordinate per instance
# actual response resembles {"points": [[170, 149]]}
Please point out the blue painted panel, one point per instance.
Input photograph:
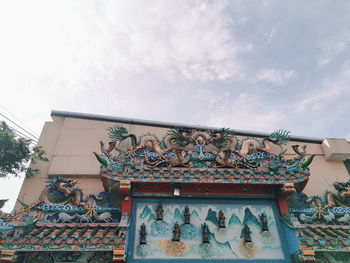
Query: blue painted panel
{"points": [[292, 239], [225, 244]]}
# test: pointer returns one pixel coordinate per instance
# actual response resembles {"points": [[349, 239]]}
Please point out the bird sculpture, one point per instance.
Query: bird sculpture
{"points": [[301, 152]]}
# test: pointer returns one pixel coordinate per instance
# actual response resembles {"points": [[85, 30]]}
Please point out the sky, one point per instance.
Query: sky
{"points": [[247, 65]]}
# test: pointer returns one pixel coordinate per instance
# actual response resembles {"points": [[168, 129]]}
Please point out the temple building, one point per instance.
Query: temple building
{"points": [[125, 190]]}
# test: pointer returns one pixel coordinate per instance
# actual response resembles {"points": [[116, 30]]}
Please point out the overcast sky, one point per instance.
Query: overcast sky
{"points": [[248, 65]]}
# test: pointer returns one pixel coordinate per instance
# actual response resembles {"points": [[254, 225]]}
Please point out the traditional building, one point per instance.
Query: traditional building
{"points": [[125, 190]]}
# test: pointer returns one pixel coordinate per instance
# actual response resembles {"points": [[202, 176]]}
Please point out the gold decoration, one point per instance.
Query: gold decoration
{"points": [[320, 210], [173, 248], [88, 205], [248, 249]]}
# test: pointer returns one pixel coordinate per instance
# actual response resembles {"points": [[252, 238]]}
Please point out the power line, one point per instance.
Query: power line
{"points": [[21, 122], [20, 134], [19, 126]]}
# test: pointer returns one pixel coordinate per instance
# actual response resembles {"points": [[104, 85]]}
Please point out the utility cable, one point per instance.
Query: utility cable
{"points": [[20, 134], [18, 120], [19, 126]]}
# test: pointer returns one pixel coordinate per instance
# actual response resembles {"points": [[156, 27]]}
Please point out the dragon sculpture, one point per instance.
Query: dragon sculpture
{"points": [[331, 209], [342, 197], [62, 191], [184, 147]]}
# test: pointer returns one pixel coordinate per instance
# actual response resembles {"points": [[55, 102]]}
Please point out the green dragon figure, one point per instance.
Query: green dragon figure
{"points": [[62, 191], [342, 197], [197, 148]]}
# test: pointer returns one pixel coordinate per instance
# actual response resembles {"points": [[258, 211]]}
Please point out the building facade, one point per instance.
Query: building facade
{"points": [[124, 190]]}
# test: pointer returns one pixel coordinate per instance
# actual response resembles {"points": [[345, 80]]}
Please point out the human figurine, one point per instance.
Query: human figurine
{"points": [[176, 232], [143, 234], [187, 216], [263, 222], [221, 219], [205, 233], [245, 234], [159, 212]]}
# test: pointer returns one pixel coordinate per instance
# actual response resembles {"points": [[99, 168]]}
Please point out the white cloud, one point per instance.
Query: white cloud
{"points": [[277, 77], [194, 39], [243, 20], [66, 54], [332, 47], [191, 38], [176, 61], [331, 89], [246, 112], [269, 35]]}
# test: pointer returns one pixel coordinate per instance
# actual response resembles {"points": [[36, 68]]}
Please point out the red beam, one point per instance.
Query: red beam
{"points": [[203, 188]]}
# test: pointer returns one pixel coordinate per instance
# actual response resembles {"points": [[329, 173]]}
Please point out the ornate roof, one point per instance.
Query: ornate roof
{"points": [[322, 222], [64, 237], [190, 155], [278, 177], [325, 238], [64, 222]]}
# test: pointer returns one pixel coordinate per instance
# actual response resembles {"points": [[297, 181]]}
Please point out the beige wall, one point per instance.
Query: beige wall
{"points": [[70, 142], [324, 174]]}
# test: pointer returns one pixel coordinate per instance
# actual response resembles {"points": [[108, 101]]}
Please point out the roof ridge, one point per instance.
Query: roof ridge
{"points": [[153, 123]]}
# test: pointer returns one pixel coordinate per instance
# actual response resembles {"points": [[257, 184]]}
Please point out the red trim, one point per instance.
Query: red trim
{"points": [[125, 188], [203, 188], [180, 179], [282, 205], [127, 205]]}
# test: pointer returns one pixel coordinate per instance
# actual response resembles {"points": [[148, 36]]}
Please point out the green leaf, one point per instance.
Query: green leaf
{"points": [[16, 153]]}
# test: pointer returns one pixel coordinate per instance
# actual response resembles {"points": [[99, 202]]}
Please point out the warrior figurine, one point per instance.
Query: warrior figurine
{"points": [[143, 234], [263, 222], [245, 234], [205, 232], [221, 219], [187, 216], [176, 232], [159, 212]]}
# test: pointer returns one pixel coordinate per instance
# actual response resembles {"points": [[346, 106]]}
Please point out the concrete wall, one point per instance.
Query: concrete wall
{"points": [[70, 142]]}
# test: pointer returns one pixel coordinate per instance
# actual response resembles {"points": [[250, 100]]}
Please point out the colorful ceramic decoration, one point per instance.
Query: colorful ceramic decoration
{"points": [[332, 209], [188, 155], [64, 220], [322, 223], [203, 238], [64, 238], [194, 149]]}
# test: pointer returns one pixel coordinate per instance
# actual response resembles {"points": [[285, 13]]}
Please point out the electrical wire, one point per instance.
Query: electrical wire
{"points": [[20, 134], [21, 122], [19, 126]]}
